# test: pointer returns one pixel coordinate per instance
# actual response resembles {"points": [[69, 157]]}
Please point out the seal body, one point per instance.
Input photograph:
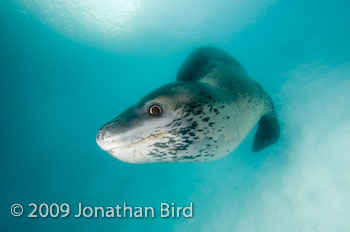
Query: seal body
{"points": [[204, 115]]}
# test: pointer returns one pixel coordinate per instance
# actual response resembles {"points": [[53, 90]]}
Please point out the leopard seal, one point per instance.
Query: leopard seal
{"points": [[204, 115]]}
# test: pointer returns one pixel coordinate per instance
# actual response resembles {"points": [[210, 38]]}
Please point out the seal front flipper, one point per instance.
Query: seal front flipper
{"points": [[268, 131]]}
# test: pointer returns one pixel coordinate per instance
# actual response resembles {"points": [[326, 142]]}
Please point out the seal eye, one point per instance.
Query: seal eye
{"points": [[155, 110]]}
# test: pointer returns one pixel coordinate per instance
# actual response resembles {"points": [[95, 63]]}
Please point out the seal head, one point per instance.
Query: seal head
{"points": [[170, 124]]}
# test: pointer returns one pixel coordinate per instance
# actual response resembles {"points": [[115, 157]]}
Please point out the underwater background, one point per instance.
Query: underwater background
{"points": [[68, 67]]}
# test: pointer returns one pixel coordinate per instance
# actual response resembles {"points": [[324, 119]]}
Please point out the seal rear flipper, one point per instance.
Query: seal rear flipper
{"points": [[268, 131]]}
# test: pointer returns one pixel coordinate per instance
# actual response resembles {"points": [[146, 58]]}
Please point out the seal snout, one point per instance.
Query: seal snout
{"points": [[103, 134], [106, 136], [100, 138], [99, 135]]}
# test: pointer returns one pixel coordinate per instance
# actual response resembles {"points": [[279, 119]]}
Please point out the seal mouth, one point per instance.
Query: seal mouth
{"points": [[150, 137]]}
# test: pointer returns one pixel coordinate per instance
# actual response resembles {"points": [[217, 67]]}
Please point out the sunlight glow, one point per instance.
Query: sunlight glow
{"points": [[106, 17], [146, 24]]}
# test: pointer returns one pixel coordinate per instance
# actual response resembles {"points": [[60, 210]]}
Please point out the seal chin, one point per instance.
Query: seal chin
{"points": [[129, 155], [115, 145], [112, 144]]}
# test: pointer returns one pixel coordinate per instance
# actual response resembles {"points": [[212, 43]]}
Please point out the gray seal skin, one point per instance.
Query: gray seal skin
{"points": [[203, 116]]}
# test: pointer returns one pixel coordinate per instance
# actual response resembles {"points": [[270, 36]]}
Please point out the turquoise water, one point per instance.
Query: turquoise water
{"points": [[57, 91]]}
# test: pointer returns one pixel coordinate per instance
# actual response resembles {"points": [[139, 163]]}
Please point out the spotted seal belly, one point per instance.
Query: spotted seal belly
{"points": [[204, 115]]}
